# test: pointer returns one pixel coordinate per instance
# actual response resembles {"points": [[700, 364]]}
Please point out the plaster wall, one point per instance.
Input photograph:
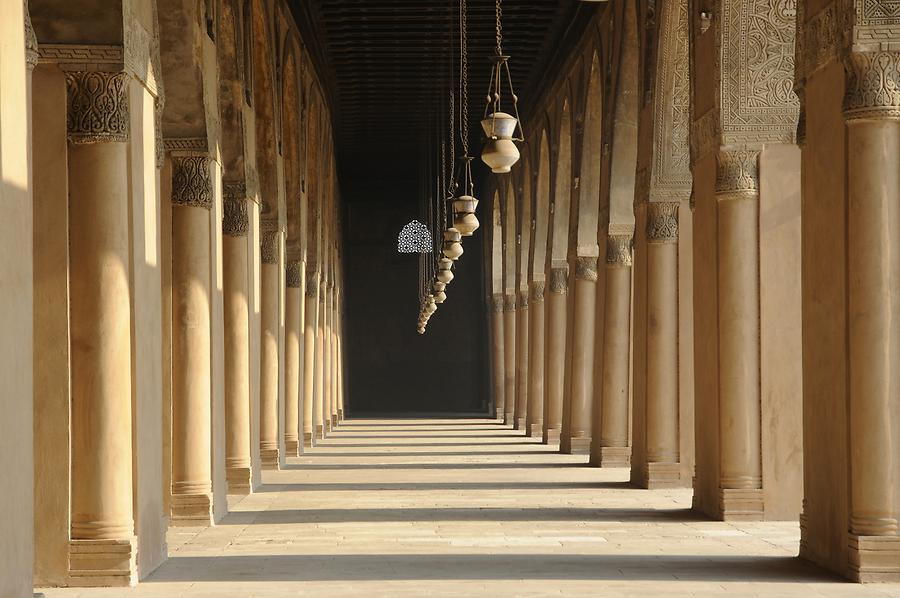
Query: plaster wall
{"points": [[16, 358], [52, 451]]}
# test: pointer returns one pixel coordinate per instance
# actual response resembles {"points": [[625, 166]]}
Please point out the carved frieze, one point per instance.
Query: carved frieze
{"points": [[497, 303], [559, 281], [186, 144], [618, 250], [586, 268], [293, 274], [97, 106], [873, 85], [523, 299], [662, 222], [235, 220], [191, 182], [537, 291], [737, 171], [32, 53], [270, 235], [509, 302]]}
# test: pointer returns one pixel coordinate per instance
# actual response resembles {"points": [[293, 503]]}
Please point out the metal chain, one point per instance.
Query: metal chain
{"points": [[498, 11], [464, 109]]}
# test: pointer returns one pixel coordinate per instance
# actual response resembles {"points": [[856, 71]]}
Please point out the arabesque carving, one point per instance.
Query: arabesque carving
{"points": [[293, 274], [191, 182], [523, 299], [509, 302], [586, 268], [97, 106], [270, 235], [537, 292], [873, 85], [662, 222], [497, 303], [737, 171], [235, 220], [559, 281], [312, 282], [32, 52], [618, 250]]}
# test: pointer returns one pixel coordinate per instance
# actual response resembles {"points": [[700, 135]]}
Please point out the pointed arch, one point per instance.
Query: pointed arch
{"points": [[591, 160], [538, 254], [561, 205], [313, 236], [510, 234], [525, 222], [264, 104]]}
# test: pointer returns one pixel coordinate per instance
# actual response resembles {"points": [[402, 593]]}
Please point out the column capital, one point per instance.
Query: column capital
{"points": [[293, 274], [97, 110], [737, 171], [537, 291], [523, 298], [873, 86], [235, 220], [191, 183], [586, 268], [312, 282], [618, 250], [509, 302], [559, 280], [662, 222], [269, 234], [497, 303], [32, 54]]}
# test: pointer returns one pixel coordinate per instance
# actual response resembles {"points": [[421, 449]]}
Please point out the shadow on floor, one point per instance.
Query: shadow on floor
{"points": [[488, 514], [412, 434], [459, 486], [326, 444], [341, 466], [389, 453], [488, 567]]}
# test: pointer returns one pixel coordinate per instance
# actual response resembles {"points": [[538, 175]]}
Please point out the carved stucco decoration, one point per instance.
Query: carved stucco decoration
{"points": [[873, 85], [32, 53], [312, 282], [509, 302], [756, 101], [497, 303], [537, 292], [235, 220], [523, 299], [618, 250], [559, 280], [97, 106], [669, 176], [586, 268], [191, 182], [270, 235], [293, 274], [737, 173], [662, 222], [141, 50]]}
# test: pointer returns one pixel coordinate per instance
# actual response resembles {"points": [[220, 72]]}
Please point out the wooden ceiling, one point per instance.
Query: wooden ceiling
{"points": [[386, 62]]}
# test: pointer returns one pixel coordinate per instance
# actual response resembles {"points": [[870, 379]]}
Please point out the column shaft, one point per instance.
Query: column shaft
{"points": [[237, 345], [326, 364], [498, 363], [509, 355], [268, 371], [293, 355], [610, 446], [334, 359], [576, 431], [534, 421], [309, 354], [318, 398], [191, 357], [522, 378], [555, 354]]}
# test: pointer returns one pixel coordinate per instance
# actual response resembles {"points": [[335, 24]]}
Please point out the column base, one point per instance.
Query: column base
{"points": [[579, 445], [509, 419], [239, 480], [520, 423], [499, 413], [103, 563], [534, 430], [741, 504], [614, 456], [191, 509], [334, 420], [655, 475], [320, 432], [874, 558], [551, 436], [270, 459], [340, 415], [308, 441], [291, 448]]}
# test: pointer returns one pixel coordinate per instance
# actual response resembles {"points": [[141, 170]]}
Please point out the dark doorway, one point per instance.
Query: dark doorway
{"points": [[390, 367]]}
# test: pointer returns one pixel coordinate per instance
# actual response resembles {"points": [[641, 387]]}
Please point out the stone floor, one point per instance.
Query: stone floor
{"points": [[448, 507]]}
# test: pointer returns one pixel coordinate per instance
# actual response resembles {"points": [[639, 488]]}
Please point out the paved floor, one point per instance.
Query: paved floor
{"points": [[472, 508]]}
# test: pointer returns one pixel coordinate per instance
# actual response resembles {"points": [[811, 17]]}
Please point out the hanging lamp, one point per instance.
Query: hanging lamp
{"points": [[500, 151], [445, 272]]}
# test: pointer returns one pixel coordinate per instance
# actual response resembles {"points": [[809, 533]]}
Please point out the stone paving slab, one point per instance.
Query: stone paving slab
{"points": [[449, 507]]}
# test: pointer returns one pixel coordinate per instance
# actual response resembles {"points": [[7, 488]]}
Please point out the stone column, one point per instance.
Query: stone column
{"points": [[270, 236], [610, 446], [737, 198], [499, 360], [235, 227], [309, 353], [555, 354], [522, 378], [663, 460], [318, 395], [340, 355], [334, 358], [102, 524], [872, 115], [326, 360], [534, 419], [293, 354], [576, 430], [509, 355], [191, 357]]}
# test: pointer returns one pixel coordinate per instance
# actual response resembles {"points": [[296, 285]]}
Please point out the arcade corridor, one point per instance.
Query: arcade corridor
{"points": [[464, 507]]}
